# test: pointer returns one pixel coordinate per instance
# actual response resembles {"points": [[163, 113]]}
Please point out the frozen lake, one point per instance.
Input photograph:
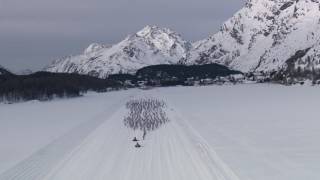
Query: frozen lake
{"points": [[258, 132]]}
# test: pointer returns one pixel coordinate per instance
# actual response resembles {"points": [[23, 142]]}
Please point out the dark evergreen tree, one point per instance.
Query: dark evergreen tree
{"points": [[46, 86]]}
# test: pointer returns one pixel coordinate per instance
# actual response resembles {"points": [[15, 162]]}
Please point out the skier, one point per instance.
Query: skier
{"points": [[137, 145], [135, 139]]}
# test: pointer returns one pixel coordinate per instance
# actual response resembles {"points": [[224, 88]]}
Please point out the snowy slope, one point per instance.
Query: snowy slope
{"points": [[263, 35], [150, 46]]}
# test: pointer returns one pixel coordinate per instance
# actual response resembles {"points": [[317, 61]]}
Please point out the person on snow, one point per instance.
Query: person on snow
{"points": [[137, 145]]}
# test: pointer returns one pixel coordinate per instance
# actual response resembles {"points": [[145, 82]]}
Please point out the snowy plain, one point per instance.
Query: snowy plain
{"points": [[252, 132]]}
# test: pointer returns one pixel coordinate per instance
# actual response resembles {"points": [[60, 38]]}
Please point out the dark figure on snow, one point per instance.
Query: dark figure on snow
{"points": [[137, 145], [135, 139]]}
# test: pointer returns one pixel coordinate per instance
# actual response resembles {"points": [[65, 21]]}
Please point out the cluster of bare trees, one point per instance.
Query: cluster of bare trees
{"points": [[145, 114]]}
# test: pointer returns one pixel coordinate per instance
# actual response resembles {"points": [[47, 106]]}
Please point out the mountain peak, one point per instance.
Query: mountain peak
{"points": [[149, 30], [94, 47], [165, 40], [262, 36], [150, 46], [146, 30]]}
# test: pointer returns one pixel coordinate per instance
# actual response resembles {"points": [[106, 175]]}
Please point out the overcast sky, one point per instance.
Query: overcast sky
{"points": [[35, 32]]}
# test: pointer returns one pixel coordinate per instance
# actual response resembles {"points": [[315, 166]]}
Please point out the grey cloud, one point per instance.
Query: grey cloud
{"points": [[34, 32]]}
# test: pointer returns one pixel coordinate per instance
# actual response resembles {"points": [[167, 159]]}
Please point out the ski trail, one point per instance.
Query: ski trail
{"points": [[96, 152], [173, 152], [208, 155], [103, 149], [38, 165]]}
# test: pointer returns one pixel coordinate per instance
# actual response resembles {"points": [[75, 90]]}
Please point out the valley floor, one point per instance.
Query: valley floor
{"points": [[257, 132]]}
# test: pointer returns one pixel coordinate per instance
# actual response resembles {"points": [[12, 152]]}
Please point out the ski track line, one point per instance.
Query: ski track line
{"points": [[169, 153], [183, 145], [212, 159], [179, 145], [104, 150], [97, 157], [209, 156], [39, 164]]}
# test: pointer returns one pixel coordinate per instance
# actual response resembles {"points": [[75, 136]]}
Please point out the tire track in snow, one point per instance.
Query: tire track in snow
{"points": [[38, 165]]}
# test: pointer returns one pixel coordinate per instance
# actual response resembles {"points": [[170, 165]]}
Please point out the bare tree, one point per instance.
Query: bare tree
{"points": [[145, 114]]}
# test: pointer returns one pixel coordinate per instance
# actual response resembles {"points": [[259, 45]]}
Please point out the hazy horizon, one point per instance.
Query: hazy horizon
{"points": [[36, 32]]}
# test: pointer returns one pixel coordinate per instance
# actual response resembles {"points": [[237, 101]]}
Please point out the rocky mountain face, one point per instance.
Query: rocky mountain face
{"points": [[150, 46], [266, 35]]}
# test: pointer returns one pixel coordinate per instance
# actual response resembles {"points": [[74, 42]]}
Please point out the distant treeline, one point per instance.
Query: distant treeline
{"points": [[46, 86], [3, 71], [171, 75]]}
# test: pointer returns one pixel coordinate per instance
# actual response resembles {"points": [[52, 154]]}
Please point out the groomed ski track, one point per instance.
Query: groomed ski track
{"points": [[102, 149]]}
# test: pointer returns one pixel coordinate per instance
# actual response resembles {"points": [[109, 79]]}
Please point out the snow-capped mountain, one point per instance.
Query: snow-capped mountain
{"points": [[150, 46], [266, 35]]}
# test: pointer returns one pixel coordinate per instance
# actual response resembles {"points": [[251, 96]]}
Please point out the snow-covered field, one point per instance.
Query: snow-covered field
{"points": [[251, 132]]}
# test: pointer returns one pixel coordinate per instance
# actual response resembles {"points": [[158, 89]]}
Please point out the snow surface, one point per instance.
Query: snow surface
{"points": [[258, 132], [27, 127]]}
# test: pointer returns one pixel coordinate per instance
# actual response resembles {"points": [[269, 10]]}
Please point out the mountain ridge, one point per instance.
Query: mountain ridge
{"points": [[263, 36], [150, 46]]}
